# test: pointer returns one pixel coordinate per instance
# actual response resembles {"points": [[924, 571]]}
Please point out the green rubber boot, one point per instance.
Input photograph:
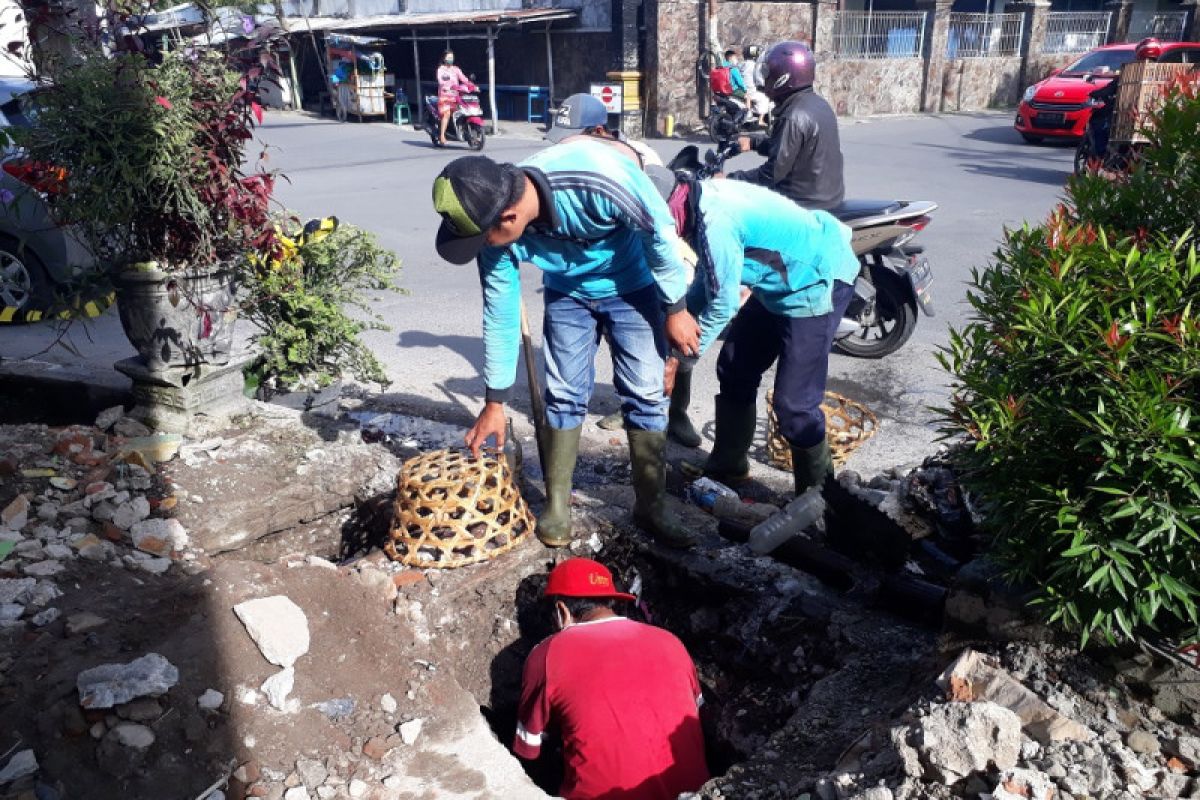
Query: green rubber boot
{"points": [[729, 460], [811, 466], [649, 478], [679, 427], [554, 523]]}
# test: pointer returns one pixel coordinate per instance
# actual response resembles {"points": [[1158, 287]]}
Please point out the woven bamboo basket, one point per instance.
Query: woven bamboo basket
{"points": [[848, 424], [453, 510], [1143, 86]]}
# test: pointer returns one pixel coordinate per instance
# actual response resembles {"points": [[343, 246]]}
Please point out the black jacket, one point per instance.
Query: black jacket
{"points": [[804, 154]]}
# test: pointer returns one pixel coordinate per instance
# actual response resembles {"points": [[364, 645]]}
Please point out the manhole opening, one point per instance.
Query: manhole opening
{"points": [[753, 680]]}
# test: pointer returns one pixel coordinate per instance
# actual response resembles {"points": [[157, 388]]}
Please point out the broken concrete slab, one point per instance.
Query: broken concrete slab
{"points": [[112, 684], [971, 678], [957, 739], [278, 626], [325, 473]]}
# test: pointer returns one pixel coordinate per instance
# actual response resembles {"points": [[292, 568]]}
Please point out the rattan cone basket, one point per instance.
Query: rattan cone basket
{"points": [[453, 510], [848, 424]]}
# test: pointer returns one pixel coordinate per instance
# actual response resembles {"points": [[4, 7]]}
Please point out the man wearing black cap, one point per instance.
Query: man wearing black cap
{"points": [[606, 244]]}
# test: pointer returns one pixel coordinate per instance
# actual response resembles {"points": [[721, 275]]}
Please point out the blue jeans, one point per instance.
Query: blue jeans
{"points": [[757, 338], [571, 332]]}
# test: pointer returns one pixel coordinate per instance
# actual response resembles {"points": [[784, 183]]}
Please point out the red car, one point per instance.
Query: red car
{"points": [[1058, 105]]}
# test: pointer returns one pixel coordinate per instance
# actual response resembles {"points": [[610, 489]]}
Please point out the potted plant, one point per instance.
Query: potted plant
{"points": [[299, 302], [154, 182]]}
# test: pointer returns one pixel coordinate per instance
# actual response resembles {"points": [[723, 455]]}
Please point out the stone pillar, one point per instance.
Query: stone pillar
{"points": [[631, 100], [823, 12], [1191, 31], [933, 50], [1118, 23], [626, 64], [1033, 35]]}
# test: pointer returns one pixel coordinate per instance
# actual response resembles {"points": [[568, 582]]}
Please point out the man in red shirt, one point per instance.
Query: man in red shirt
{"points": [[623, 695]]}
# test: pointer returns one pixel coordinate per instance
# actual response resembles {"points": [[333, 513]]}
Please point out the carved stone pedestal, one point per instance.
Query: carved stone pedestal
{"points": [[170, 400]]}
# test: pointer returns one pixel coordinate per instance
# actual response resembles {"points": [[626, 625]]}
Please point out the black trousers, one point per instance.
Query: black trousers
{"points": [[757, 338]]}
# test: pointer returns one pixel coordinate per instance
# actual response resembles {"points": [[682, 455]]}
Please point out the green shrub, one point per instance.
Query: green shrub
{"points": [[308, 338], [1076, 383]]}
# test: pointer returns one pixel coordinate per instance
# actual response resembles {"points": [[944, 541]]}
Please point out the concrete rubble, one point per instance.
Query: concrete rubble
{"points": [[162, 625], [277, 626]]}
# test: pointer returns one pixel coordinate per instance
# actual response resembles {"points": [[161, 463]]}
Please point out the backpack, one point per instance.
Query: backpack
{"points": [[719, 81]]}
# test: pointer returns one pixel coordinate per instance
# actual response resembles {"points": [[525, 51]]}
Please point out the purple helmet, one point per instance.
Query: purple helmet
{"points": [[786, 68]]}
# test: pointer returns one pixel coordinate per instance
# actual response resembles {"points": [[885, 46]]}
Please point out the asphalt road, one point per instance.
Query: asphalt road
{"points": [[378, 176]]}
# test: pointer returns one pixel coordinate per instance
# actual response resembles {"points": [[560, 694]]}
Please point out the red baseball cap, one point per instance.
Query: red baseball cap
{"points": [[582, 577]]}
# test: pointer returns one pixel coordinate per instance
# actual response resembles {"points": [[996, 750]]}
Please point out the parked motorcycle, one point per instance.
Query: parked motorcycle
{"points": [[895, 276], [466, 121]]}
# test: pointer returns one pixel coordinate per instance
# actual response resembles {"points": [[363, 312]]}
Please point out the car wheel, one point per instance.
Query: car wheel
{"points": [[24, 282], [1029, 137]]}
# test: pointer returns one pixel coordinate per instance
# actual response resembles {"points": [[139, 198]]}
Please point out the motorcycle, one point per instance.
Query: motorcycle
{"points": [[894, 276], [728, 117], [466, 121]]}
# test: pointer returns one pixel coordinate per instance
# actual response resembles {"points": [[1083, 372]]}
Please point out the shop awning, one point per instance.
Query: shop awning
{"points": [[442, 19]]}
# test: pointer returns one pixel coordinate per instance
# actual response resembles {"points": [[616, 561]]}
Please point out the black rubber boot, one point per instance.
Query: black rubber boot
{"points": [[730, 459], [811, 466], [679, 427], [649, 477], [554, 523]]}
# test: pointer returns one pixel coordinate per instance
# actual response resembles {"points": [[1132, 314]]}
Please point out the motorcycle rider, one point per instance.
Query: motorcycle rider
{"points": [[804, 153], [584, 115], [451, 82], [758, 103]]}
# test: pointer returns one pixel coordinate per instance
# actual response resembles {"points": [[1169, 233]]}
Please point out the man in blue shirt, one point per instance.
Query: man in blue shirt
{"points": [[800, 270], [605, 241]]}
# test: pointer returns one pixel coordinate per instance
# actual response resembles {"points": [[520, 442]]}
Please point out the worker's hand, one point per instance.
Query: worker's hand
{"points": [[672, 368], [683, 332], [490, 422], [745, 144]]}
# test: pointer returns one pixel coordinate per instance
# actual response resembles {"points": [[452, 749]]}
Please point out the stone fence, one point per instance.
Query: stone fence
{"points": [[943, 62]]}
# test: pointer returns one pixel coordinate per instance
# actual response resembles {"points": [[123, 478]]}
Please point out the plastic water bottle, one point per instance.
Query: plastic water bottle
{"points": [[705, 491], [791, 521]]}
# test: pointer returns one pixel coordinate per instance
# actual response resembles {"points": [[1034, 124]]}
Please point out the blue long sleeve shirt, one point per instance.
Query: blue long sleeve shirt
{"points": [[605, 232], [788, 256]]}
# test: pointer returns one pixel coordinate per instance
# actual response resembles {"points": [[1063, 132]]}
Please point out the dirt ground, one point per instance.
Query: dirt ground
{"points": [[408, 684]]}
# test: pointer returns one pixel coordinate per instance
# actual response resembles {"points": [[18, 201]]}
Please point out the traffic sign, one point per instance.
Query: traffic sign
{"points": [[610, 95]]}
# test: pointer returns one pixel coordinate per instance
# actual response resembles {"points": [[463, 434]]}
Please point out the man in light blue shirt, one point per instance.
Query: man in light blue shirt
{"points": [[800, 270], [606, 244]]}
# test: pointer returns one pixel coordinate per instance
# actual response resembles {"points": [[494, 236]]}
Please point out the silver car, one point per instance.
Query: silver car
{"points": [[38, 259]]}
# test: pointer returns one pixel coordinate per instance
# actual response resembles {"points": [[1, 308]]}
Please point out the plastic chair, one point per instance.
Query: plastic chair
{"points": [[401, 114], [538, 94]]}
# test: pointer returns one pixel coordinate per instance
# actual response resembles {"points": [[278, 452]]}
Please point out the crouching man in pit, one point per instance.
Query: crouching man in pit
{"points": [[623, 696]]}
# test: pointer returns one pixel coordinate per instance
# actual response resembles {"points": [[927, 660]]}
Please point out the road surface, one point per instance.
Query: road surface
{"points": [[378, 176]]}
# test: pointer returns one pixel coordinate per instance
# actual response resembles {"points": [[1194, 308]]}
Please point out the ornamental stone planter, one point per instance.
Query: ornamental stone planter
{"points": [[181, 324], [178, 319]]}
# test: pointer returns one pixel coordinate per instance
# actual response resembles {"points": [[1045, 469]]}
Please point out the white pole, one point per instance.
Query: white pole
{"points": [[549, 68], [420, 98], [491, 57]]}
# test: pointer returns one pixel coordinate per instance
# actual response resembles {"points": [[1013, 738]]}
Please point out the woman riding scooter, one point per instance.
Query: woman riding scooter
{"points": [[451, 81]]}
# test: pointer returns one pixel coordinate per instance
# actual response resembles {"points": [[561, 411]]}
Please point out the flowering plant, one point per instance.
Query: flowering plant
{"points": [[153, 158]]}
